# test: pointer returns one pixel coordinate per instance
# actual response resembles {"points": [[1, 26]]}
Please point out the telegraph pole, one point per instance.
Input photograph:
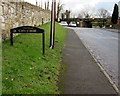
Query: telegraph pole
{"points": [[52, 31]]}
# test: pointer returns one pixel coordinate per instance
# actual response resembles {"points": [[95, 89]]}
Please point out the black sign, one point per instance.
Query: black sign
{"points": [[28, 29]]}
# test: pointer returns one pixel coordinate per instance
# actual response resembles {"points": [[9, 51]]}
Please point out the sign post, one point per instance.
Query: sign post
{"points": [[28, 29], [52, 31]]}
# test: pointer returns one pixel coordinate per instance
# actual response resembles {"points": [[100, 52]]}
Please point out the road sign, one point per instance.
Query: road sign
{"points": [[28, 29]]}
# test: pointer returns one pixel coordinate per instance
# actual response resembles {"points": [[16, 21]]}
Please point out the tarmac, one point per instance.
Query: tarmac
{"points": [[82, 75], [113, 30]]}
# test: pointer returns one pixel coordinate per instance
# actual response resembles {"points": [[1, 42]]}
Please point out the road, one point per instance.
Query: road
{"points": [[103, 45]]}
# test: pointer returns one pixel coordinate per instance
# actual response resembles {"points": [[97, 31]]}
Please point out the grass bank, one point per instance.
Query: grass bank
{"points": [[25, 70]]}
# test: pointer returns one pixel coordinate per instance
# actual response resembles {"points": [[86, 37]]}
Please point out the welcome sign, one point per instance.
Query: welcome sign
{"points": [[28, 29]]}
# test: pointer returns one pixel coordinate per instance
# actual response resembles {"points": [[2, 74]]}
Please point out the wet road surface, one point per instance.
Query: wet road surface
{"points": [[82, 74], [104, 46]]}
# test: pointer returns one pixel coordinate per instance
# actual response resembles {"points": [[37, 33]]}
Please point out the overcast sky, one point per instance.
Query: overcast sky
{"points": [[76, 5]]}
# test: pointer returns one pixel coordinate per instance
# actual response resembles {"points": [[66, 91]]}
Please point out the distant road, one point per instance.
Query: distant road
{"points": [[104, 46]]}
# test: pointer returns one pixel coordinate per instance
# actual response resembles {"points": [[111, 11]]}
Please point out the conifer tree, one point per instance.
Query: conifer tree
{"points": [[115, 14]]}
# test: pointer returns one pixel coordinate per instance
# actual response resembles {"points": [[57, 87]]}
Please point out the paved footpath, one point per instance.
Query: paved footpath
{"points": [[82, 75]]}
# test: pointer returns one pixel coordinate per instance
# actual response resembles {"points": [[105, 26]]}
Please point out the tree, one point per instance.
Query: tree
{"points": [[103, 13], [63, 16], [115, 14], [45, 5], [67, 13], [59, 8], [80, 15], [36, 3], [48, 5], [41, 4], [87, 12]]}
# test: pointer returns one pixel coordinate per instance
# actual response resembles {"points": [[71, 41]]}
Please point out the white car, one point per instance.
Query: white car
{"points": [[63, 23], [73, 24]]}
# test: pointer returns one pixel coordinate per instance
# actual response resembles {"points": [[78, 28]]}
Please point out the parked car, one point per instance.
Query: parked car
{"points": [[73, 24], [63, 23]]}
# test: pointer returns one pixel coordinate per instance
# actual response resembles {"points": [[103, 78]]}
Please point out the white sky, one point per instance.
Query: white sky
{"points": [[76, 5]]}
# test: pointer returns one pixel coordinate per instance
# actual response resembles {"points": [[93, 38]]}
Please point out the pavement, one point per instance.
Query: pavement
{"points": [[82, 75], [103, 45], [113, 30]]}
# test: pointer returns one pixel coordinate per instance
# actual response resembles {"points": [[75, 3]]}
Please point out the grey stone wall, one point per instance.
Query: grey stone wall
{"points": [[15, 14]]}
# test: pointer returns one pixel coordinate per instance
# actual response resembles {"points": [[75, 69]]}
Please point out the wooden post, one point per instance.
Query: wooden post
{"points": [[54, 23], [53, 17]]}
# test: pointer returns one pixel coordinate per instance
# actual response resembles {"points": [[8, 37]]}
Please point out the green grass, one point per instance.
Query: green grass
{"points": [[25, 70]]}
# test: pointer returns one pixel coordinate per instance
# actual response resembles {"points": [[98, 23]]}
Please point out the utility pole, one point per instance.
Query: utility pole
{"points": [[52, 31]]}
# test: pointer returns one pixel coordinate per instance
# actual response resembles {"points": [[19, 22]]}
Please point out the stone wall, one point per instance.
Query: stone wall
{"points": [[15, 14]]}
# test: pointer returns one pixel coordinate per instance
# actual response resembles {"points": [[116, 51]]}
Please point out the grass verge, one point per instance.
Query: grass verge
{"points": [[25, 70]]}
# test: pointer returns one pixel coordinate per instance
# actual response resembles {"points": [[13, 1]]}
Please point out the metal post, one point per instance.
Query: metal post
{"points": [[43, 43], [11, 37], [42, 21]]}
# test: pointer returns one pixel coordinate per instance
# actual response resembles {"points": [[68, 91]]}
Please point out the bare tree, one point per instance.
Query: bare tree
{"points": [[41, 4], [48, 5], [80, 15], [63, 16], [59, 8], [36, 2], [86, 12], [67, 13], [45, 5], [103, 13]]}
